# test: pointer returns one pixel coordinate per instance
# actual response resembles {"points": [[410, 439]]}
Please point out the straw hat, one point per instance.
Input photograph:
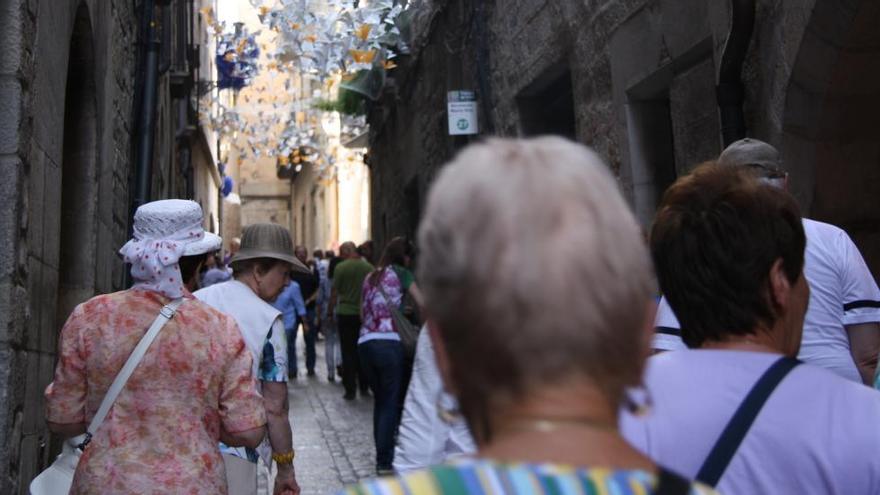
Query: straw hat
{"points": [[268, 240]]}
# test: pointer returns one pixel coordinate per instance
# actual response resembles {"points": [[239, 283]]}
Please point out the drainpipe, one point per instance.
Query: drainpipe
{"points": [[730, 91], [482, 56], [144, 157], [184, 147]]}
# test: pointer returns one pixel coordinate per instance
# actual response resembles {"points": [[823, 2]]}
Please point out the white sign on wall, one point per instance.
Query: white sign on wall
{"points": [[462, 109]]}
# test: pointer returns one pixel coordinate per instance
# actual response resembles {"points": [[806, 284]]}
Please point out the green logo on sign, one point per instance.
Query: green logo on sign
{"points": [[463, 124]]}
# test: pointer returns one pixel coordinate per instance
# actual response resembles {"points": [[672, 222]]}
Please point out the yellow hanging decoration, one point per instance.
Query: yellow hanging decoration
{"points": [[363, 32], [389, 64], [363, 56], [208, 14]]}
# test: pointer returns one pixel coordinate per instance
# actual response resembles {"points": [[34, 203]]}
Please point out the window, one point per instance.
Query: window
{"points": [[547, 105]]}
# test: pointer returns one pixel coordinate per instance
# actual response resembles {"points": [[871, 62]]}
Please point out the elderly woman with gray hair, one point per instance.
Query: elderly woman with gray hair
{"points": [[539, 374]]}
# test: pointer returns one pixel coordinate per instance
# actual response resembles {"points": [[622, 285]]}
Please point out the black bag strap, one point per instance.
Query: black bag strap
{"points": [[735, 431], [669, 483]]}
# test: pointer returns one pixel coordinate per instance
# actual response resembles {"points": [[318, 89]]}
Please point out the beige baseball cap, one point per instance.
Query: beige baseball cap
{"points": [[753, 152]]}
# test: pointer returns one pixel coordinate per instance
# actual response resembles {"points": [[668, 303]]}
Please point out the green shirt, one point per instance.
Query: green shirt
{"points": [[348, 281], [405, 276]]}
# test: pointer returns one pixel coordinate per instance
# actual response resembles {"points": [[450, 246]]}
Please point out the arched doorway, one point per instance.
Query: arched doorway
{"points": [[76, 271], [831, 130]]}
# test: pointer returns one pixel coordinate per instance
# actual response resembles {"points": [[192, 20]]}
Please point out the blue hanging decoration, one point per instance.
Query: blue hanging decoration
{"points": [[236, 61], [228, 184]]}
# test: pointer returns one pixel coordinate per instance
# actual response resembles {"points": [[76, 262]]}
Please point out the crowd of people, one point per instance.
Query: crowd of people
{"points": [[734, 351]]}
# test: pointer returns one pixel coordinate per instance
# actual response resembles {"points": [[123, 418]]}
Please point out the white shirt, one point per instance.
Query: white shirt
{"points": [[255, 318], [423, 438], [842, 292], [817, 432]]}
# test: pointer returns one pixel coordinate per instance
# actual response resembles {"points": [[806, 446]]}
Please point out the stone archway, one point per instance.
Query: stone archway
{"points": [[76, 273], [831, 129]]}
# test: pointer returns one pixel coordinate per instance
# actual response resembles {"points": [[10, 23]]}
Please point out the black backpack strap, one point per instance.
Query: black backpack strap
{"points": [[735, 431], [669, 483]]}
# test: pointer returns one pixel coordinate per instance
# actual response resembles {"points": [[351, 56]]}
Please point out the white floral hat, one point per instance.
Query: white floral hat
{"points": [[165, 231]]}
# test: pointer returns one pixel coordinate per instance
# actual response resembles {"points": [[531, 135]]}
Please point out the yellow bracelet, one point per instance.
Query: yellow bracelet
{"points": [[283, 458]]}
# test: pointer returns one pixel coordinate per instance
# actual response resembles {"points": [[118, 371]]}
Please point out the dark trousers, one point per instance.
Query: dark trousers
{"points": [[349, 331], [383, 362], [291, 349], [309, 338]]}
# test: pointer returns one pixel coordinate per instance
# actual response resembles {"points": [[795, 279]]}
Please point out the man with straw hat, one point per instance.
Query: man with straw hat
{"points": [[261, 271]]}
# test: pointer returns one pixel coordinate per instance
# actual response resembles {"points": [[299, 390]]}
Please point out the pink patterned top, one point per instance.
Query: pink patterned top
{"points": [[377, 322], [161, 434]]}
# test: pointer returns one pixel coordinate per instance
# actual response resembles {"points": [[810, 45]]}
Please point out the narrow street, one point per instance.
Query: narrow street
{"points": [[332, 436]]}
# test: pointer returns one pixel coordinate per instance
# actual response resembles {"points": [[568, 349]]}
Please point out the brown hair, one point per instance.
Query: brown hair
{"points": [[395, 253], [189, 266], [715, 237]]}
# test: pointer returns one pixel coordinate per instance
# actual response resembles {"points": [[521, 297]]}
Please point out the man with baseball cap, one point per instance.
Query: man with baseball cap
{"points": [[842, 323]]}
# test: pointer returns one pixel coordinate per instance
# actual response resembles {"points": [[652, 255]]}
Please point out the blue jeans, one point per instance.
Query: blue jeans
{"points": [[382, 360], [331, 347], [309, 338]]}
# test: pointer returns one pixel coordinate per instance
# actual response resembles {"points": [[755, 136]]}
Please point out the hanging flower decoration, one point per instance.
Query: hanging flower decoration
{"points": [[336, 36], [236, 57], [323, 40]]}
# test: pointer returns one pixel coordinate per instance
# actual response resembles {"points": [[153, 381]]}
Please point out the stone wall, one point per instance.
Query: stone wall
{"points": [[68, 85], [642, 77], [66, 91]]}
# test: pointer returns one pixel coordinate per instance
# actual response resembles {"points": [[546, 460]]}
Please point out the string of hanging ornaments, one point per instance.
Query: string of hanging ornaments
{"points": [[352, 43]]}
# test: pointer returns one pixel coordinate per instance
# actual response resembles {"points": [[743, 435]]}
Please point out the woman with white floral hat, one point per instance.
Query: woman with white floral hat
{"points": [[193, 387]]}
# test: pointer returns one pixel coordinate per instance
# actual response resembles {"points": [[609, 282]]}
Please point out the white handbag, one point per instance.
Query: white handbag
{"points": [[57, 478], [241, 475]]}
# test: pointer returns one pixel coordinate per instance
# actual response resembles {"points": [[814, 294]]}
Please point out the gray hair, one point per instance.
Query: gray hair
{"points": [[535, 270]]}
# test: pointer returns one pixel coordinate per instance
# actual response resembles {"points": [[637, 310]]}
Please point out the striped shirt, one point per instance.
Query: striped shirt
{"points": [[483, 477]]}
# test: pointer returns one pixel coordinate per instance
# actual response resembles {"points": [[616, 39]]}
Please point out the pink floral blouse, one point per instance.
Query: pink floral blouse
{"points": [[376, 306], [161, 434]]}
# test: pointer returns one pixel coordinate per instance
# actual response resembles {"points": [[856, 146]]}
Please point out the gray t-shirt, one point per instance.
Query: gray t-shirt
{"points": [[817, 433]]}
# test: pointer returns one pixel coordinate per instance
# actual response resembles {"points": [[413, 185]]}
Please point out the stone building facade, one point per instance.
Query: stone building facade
{"points": [[331, 206], [69, 85], [636, 80]]}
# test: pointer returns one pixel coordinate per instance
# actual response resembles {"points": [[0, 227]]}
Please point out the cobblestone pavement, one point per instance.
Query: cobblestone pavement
{"points": [[333, 437]]}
